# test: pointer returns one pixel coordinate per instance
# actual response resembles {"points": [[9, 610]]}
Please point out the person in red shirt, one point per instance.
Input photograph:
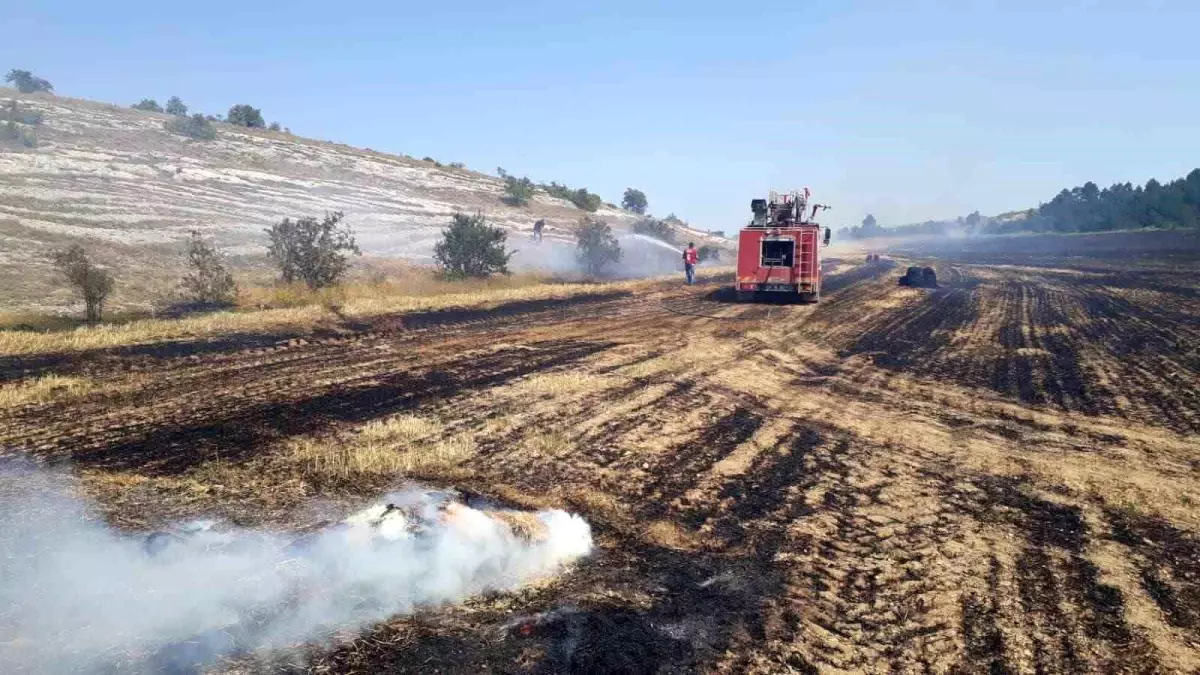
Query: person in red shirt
{"points": [[690, 257]]}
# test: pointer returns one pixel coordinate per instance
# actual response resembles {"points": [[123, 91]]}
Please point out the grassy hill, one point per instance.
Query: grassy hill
{"points": [[114, 178]]}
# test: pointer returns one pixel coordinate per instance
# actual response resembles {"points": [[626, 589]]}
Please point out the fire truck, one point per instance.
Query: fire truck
{"points": [[779, 251]]}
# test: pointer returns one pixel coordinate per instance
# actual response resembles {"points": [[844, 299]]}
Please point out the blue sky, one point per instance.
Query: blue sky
{"points": [[909, 110]]}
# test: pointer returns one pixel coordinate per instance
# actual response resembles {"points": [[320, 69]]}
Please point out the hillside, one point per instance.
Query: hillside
{"points": [[113, 177]]}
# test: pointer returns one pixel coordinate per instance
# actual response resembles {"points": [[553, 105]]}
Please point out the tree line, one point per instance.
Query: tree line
{"points": [[316, 252], [197, 126], [1086, 208], [519, 192]]}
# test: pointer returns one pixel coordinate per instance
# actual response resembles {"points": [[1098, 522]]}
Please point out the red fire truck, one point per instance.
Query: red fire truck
{"points": [[779, 251]]}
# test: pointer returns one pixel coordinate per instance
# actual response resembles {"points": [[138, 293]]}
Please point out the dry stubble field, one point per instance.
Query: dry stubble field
{"points": [[997, 476]]}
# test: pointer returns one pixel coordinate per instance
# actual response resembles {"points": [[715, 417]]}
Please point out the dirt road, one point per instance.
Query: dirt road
{"points": [[1000, 475]]}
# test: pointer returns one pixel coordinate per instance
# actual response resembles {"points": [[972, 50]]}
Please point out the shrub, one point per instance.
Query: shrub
{"points": [[147, 104], [634, 200], [708, 253], [244, 115], [207, 281], [457, 165], [652, 227], [580, 198], [10, 132], [196, 126], [587, 200], [312, 251], [93, 283], [470, 247], [176, 107], [596, 247], [14, 113], [275, 126], [517, 191], [26, 82]]}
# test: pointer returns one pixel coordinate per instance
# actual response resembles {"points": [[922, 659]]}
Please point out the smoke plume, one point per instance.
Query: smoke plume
{"points": [[641, 256], [77, 596]]}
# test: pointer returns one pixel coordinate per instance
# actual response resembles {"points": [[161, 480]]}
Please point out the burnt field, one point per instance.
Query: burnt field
{"points": [[1000, 475]]}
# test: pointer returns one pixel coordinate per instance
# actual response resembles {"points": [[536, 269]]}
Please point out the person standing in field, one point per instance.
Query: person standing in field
{"points": [[690, 257], [537, 230]]}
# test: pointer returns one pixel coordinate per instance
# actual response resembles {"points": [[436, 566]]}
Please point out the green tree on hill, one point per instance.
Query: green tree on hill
{"points": [[244, 115], [595, 245], [93, 282], [634, 200], [310, 250], [207, 281], [470, 247], [147, 104], [197, 126], [517, 191], [652, 227], [27, 83], [175, 106]]}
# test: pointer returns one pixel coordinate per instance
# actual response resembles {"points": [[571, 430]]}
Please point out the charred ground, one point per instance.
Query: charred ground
{"points": [[996, 476]]}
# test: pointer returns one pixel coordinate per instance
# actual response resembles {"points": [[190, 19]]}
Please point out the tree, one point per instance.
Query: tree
{"points": [[93, 283], [275, 126], [586, 200], [207, 281], [196, 126], [147, 104], [634, 200], [312, 251], [470, 247], [869, 223], [27, 83], [175, 106], [580, 198], [244, 115], [517, 191], [652, 227], [596, 247]]}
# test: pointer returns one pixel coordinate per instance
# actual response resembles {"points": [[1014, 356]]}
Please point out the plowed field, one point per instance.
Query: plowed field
{"points": [[1000, 475]]}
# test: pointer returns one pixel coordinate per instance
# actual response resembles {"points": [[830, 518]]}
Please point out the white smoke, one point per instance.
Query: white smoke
{"points": [[76, 596], [641, 256], [652, 242]]}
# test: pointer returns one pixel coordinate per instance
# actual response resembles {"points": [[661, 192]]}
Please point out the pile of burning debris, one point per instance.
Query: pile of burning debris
{"points": [[409, 515]]}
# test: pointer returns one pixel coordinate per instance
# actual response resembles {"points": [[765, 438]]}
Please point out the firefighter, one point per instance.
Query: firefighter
{"points": [[537, 230], [690, 257]]}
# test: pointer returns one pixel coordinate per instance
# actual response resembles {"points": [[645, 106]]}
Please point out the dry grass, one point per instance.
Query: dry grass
{"points": [[549, 444], [363, 301], [379, 282], [551, 385], [395, 446], [44, 389]]}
